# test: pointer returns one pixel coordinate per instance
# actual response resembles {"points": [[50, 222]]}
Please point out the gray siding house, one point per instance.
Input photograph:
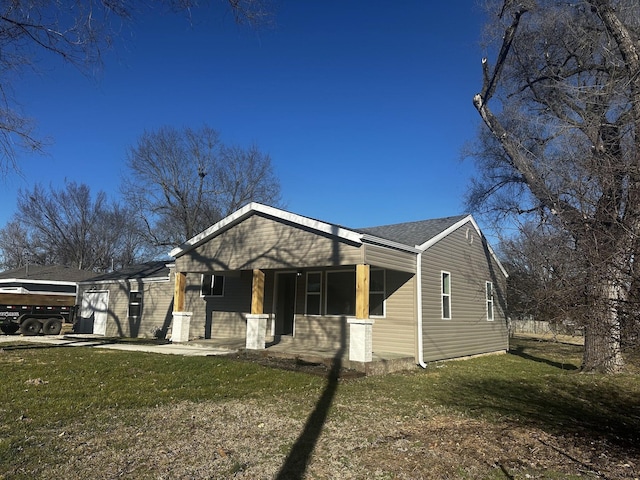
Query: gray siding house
{"points": [[428, 290], [134, 302]]}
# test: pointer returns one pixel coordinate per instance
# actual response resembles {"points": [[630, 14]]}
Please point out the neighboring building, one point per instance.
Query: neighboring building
{"points": [[42, 279], [430, 290], [39, 290], [136, 301]]}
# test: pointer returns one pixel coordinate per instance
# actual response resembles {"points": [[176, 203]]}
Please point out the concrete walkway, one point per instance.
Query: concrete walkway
{"points": [[98, 341], [382, 362]]}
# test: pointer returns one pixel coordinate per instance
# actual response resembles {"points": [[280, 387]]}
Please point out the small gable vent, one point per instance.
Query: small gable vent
{"points": [[469, 234]]}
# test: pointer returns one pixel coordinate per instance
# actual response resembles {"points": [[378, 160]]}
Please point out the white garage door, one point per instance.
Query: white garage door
{"points": [[94, 310]]}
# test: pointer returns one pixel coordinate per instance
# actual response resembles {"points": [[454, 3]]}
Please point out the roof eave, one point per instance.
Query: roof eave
{"points": [[43, 282], [367, 238]]}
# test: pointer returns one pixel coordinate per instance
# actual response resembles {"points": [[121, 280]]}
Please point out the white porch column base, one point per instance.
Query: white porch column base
{"points": [[256, 331], [180, 328], [360, 339]]}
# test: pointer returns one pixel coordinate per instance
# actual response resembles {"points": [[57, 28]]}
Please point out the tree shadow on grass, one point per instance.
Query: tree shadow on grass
{"points": [[296, 463], [600, 408], [520, 352], [299, 457]]}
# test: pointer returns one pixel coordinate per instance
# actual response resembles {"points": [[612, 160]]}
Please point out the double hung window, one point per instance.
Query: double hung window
{"points": [[135, 304], [212, 285], [489, 301], [314, 293], [446, 295], [377, 289]]}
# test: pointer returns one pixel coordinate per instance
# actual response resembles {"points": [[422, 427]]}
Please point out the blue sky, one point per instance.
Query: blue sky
{"points": [[363, 106]]}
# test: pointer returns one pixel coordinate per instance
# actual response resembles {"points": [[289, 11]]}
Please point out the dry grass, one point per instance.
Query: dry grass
{"points": [[526, 415]]}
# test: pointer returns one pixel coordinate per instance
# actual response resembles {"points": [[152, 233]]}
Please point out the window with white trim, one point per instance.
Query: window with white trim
{"points": [[313, 293], [135, 304], [377, 293], [446, 295], [212, 285], [489, 301], [341, 293]]}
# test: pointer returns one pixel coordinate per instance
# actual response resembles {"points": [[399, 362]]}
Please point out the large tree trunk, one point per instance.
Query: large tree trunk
{"points": [[602, 339]]}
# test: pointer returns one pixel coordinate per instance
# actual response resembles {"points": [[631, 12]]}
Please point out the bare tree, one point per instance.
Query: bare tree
{"points": [[77, 31], [182, 181], [13, 245], [69, 227], [543, 282], [562, 106]]}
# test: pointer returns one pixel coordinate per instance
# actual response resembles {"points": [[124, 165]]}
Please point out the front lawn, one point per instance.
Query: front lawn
{"points": [[75, 413]]}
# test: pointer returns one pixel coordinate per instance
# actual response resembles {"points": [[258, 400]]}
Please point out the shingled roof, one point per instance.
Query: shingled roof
{"points": [[412, 233], [54, 273], [154, 269]]}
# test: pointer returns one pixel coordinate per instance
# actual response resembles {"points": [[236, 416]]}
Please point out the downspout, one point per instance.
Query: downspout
{"points": [[419, 308]]}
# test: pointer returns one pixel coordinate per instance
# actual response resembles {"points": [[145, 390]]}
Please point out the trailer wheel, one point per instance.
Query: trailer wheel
{"points": [[30, 326], [10, 328], [52, 326]]}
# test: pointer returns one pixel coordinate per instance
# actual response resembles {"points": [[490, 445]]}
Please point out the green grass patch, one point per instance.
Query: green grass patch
{"points": [[536, 384]]}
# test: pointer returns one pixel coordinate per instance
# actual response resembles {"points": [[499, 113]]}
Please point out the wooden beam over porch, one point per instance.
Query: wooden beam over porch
{"points": [[257, 293], [179, 292], [362, 290]]}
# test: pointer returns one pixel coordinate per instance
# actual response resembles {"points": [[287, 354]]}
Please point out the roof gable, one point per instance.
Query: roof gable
{"points": [[255, 208]]}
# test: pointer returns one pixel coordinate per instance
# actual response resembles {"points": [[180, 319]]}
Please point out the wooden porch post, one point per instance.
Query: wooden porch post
{"points": [[362, 291], [257, 293], [361, 327], [179, 291], [257, 320]]}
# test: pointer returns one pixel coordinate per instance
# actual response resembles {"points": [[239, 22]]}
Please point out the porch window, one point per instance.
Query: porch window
{"points": [[341, 293], [489, 301], [314, 293], [377, 289], [446, 295], [212, 285], [135, 304]]}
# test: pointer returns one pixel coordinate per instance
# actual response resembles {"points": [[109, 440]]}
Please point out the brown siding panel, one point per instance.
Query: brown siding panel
{"points": [[468, 332], [219, 317], [322, 331], [264, 243], [157, 298], [389, 258], [397, 331]]}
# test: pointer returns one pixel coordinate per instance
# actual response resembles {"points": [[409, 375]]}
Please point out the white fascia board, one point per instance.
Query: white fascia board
{"points": [[453, 228], [126, 280], [389, 243], [29, 292], [253, 207], [39, 282]]}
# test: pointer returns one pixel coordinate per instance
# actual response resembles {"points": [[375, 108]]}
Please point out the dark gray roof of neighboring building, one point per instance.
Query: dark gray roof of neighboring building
{"points": [[412, 233], [55, 273], [155, 269]]}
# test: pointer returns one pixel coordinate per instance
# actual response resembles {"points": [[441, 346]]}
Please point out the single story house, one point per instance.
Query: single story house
{"points": [[430, 290]]}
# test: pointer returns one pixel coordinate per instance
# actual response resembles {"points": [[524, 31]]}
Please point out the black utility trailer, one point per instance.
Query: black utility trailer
{"points": [[32, 314]]}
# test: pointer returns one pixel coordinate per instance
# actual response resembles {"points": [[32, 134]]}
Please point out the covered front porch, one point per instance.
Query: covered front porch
{"points": [[278, 312], [289, 348]]}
